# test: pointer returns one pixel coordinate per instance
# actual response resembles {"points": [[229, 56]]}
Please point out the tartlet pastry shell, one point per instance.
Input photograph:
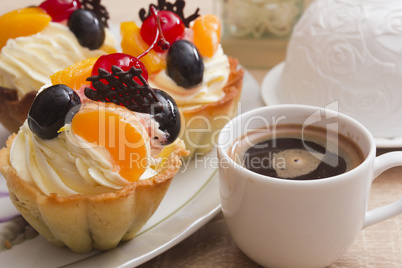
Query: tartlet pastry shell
{"points": [[85, 222]]}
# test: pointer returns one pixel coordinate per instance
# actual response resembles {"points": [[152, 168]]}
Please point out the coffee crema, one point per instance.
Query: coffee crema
{"points": [[290, 151]]}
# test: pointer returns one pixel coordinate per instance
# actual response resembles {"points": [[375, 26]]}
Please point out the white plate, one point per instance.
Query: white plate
{"points": [[270, 85], [269, 92], [191, 201]]}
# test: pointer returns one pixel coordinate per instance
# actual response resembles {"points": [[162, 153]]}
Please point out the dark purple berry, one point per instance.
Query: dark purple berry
{"points": [[169, 117], [88, 29], [184, 64], [50, 109]]}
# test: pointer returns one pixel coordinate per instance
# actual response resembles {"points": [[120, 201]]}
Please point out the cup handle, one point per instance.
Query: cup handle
{"points": [[381, 164]]}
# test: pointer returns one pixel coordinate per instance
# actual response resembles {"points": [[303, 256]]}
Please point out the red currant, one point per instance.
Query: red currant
{"points": [[172, 27], [125, 61], [121, 60], [60, 10]]}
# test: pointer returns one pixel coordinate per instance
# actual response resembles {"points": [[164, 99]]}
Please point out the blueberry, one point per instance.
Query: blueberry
{"points": [[88, 29], [169, 117], [184, 64], [49, 110]]}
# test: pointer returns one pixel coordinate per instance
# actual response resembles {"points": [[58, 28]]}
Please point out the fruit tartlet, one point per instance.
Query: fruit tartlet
{"points": [[36, 42], [96, 155], [205, 83]]}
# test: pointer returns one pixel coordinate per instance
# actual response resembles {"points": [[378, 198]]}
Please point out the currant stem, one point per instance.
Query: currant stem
{"points": [[164, 45], [159, 38]]}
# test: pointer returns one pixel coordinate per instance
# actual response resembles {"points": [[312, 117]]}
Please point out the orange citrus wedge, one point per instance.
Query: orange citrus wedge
{"points": [[117, 130], [22, 22], [207, 34], [75, 75], [133, 44]]}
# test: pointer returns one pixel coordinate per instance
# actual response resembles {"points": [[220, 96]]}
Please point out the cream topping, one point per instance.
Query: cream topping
{"points": [[67, 164], [216, 74], [26, 63]]}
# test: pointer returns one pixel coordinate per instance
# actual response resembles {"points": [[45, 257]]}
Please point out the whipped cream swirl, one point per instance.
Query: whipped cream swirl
{"points": [[26, 63], [63, 166]]}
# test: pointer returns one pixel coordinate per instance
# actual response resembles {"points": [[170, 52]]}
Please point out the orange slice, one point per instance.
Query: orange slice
{"points": [[75, 75], [133, 44], [207, 34], [117, 130], [22, 22]]}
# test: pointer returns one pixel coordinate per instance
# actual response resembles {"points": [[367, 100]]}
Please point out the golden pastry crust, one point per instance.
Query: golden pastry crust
{"points": [[202, 123], [14, 110], [86, 222]]}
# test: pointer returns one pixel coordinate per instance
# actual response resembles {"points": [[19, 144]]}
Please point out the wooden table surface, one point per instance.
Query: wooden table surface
{"points": [[379, 245]]}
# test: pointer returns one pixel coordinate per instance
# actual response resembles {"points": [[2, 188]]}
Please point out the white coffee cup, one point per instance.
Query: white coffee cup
{"points": [[288, 223]]}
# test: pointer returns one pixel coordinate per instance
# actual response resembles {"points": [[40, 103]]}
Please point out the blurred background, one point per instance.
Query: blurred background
{"points": [[254, 31]]}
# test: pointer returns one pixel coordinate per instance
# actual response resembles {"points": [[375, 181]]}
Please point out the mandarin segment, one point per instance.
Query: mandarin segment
{"points": [[207, 34], [133, 44], [75, 75], [22, 22], [122, 137]]}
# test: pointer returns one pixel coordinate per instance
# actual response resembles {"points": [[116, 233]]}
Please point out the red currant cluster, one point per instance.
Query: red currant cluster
{"points": [[171, 26], [125, 61], [184, 62], [161, 30]]}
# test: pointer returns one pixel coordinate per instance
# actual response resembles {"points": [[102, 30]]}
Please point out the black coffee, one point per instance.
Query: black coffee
{"points": [[291, 152]]}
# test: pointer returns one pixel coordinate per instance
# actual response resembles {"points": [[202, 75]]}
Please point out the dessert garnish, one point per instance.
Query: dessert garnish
{"points": [[121, 87], [125, 61], [88, 23], [169, 117], [30, 20], [88, 29], [99, 9], [119, 132], [171, 26], [117, 78], [50, 108], [60, 10], [207, 34], [184, 64], [121, 60], [177, 8], [162, 26], [122, 79]]}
